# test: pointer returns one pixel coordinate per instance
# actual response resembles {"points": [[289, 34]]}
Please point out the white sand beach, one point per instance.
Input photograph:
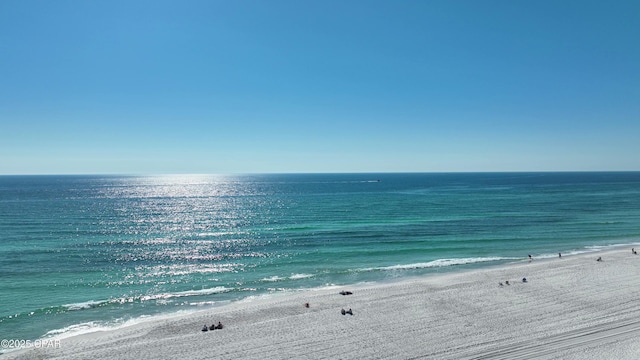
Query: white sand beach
{"points": [[570, 308]]}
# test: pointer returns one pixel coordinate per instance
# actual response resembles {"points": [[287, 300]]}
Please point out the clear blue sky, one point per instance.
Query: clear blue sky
{"points": [[158, 86]]}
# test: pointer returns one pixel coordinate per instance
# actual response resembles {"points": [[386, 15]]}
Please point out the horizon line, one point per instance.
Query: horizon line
{"points": [[328, 173]]}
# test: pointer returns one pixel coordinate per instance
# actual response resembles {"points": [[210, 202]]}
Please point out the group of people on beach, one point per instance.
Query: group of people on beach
{"points": [[524, 280], [212, 327], [350, 312], [345, 312], [306, 305], [599, 259]]}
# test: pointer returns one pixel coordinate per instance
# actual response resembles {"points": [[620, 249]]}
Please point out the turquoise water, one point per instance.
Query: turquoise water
{"points": [[78, 252]]}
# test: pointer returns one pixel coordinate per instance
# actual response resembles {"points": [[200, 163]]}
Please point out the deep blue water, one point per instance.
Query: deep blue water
{"points": [[86, 251]]}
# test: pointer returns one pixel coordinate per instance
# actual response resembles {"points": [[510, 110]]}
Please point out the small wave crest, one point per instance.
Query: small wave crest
{"points": [[300, 276], [95, 326], [76, 329], [141, 298], [440, 263], [85, 305], [179, 294], [276, 278], [594, 249]]}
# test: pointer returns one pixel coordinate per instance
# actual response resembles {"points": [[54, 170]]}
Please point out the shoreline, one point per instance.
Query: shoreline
{"points": [[449, 266], [571, 308]]}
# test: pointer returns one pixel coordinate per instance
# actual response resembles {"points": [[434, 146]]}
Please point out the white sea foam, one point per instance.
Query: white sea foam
{"points": [[554, 298], [440, 263], [292, 277], [465, 261], [300, 276], [590, 249], [95, 326], [163, 297], [209, 291], [76, 329], [84, 305], [179, 270]]}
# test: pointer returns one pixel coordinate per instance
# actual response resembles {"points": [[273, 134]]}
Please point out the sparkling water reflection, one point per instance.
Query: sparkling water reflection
{"points": [[101, 248]]}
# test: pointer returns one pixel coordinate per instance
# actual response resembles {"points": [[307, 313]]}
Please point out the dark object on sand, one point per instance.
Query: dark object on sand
{"points": [[214, 327], [345, 292], [524, 279], [345, 312], [599, 258], [205, 328], [306, 305]]}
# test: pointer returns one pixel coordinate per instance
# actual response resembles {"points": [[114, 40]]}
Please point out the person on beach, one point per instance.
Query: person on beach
{"points": [[343, 312], [530, 258], [524, 280], [350, 312], [205, 328], [559, 255], [633, 251], [599, 258], [507, 282], [214, 327], [306, 305]]}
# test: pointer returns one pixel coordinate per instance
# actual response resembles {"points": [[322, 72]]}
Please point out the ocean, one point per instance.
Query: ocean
{"points": [[79, 253]]}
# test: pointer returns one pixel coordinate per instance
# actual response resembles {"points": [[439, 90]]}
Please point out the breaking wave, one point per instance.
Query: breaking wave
{"points": [[441, 263]]}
